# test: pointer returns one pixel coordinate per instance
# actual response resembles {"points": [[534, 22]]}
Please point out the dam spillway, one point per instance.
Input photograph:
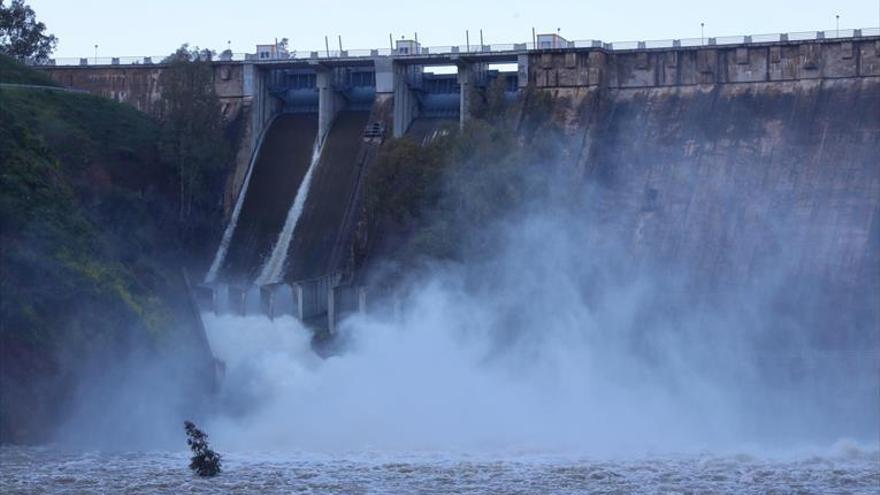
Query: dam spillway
{"points": [[280, 166], [334, 182]]}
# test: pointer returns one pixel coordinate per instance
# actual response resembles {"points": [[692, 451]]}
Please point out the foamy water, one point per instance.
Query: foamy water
{"points": [[26, 470]]}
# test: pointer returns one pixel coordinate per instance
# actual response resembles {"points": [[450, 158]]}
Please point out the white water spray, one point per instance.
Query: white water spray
{"points": [[524, 353], [220, 256], [274, 266]]}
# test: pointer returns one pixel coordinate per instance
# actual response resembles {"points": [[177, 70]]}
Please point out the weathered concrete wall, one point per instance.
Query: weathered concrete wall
{"points": [[688, 145], [769, 62], [743, 185], [138, 85], [135, 85], [242, 87]]}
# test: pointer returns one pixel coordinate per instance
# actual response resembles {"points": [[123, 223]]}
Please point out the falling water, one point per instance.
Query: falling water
{"points": [[273, 267], [220, 256]]}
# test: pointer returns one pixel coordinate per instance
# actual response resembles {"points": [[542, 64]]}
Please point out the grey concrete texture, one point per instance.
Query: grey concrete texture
{"points": [[742, 185]]}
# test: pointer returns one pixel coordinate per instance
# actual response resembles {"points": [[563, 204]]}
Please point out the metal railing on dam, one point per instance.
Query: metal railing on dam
{"points": [[495, 48]]}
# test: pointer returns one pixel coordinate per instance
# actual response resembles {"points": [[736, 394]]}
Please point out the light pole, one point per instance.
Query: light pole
{"points": [[702, 33], [837, 18], [96, 54]]}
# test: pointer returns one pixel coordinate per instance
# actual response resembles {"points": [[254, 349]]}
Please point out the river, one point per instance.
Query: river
{"points": [[52, 470]]}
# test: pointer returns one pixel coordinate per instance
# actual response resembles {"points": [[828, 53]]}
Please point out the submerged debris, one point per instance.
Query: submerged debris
{"points": [[204, 462]]}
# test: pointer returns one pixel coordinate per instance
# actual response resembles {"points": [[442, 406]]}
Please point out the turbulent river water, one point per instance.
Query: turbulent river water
{"points": [[844, 469], [358, 424]]}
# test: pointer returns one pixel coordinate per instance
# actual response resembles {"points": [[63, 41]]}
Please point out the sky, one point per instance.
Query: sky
{"points": [[157, 27]]}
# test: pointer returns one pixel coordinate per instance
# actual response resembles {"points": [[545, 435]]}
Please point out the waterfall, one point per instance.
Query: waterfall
{"points": [[220, 256], [273, 267]]}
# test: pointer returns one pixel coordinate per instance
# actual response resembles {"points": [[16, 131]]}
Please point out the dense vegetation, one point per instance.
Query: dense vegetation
{"points": [[12, 72], [90, 249], [192, 137]]}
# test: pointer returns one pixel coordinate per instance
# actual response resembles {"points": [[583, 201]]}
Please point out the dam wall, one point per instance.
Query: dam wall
{"points": [[744, 165], [686, 66], [245, 96], [740, 180], [766, 191], [278, 170]]}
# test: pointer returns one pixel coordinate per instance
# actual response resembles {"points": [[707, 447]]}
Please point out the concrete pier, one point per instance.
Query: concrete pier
{"points": [[406, 106], [237, 298], [330, 102], [311, 296]]}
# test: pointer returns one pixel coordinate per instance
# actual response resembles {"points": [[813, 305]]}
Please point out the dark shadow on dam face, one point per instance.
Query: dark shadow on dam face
{"points": [[283, 161], [333, 184]]}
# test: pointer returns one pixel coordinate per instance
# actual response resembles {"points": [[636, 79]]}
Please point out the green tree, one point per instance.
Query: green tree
{"points": [[192, 128], [21, 36]]}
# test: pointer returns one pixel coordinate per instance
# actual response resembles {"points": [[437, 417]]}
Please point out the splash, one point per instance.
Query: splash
{"points": [[545, 347]]}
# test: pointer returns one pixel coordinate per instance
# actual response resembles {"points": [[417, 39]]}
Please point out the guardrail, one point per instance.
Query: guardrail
{"points": [[492, 48]]}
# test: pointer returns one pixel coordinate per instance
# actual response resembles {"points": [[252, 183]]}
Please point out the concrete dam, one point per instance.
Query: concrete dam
{"points": [[735, 161]]}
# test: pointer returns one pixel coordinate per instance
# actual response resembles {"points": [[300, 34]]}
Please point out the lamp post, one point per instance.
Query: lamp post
{"points": [[96, 54], [837, 18], [702, 33]]}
